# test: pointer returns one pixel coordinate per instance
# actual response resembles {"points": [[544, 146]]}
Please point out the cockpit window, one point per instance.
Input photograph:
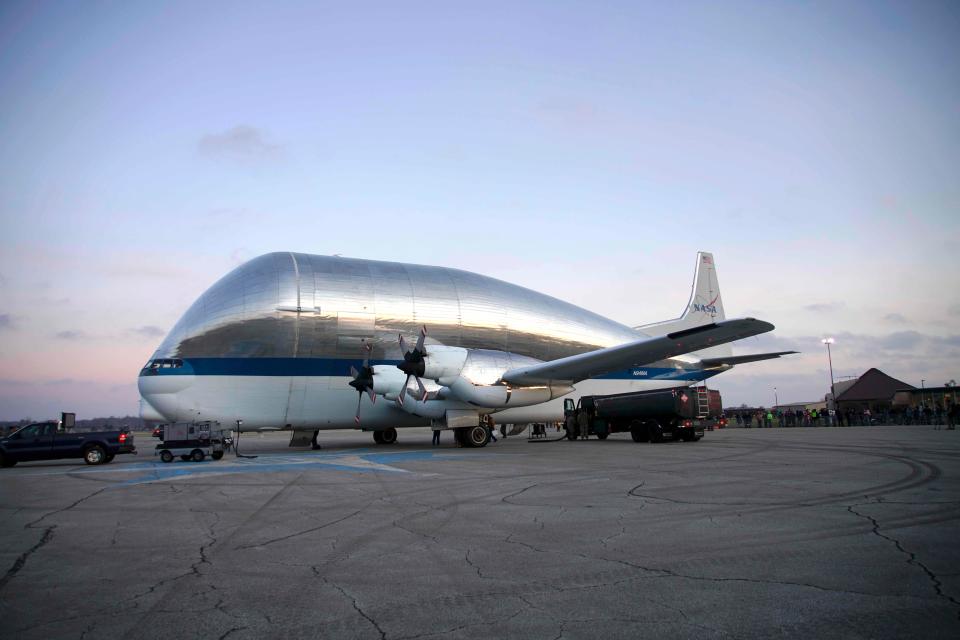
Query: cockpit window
{"points": [[164, 363]]}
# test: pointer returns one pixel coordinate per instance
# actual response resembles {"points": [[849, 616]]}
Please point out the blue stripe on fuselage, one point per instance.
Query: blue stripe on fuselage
{"points": [[340, 367]]}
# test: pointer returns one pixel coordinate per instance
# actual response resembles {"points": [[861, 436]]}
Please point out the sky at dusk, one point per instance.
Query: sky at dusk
{"points": [[584, 150]]}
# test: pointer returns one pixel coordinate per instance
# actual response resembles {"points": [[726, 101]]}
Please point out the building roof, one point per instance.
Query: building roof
{"points": [[843, 385], [872, 385]]}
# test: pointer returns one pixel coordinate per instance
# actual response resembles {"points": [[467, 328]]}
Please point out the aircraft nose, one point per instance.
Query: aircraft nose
{"points": [[160, 383], [148, 412]]}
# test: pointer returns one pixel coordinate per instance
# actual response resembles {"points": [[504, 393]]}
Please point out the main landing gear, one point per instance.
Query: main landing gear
{"points": [[477, 436], [385, 436]]}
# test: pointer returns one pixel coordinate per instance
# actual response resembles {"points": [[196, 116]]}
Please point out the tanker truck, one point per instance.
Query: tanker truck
{"points": [[680, 413]]}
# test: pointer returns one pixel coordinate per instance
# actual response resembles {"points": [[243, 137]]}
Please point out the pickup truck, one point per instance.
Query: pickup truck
{"points": [[46, 441]]}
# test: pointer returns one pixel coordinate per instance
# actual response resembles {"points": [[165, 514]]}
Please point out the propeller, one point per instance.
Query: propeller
{"points": [[363, 381], [413, 364]]}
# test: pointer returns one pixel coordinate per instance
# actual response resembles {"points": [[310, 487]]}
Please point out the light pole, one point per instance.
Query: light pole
{"points": [[922, 401], [833, 393], [776, 400]]}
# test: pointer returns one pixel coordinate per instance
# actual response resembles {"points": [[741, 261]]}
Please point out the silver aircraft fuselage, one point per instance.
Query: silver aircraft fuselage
{"points": [[273, 341]]}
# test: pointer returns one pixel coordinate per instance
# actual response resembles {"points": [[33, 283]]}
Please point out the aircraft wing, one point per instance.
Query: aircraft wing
{"points": [[639, 352], [732, 360]]}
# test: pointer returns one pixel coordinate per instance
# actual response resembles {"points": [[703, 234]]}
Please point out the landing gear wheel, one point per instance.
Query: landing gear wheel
{"points": [[166, 456], [378, 437], [216, 455], [388, 436], [95, 455], [476, 437], [197, 456]]}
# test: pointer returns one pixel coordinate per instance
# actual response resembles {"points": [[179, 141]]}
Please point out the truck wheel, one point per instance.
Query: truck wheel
{"points": [[638, 431], [216, 455], [388, 436], [6, 462], [110, 457], [166, 456], [185, 457], [95, 455], [655, 431], [602, 436], [477, 436], [197, 456]]}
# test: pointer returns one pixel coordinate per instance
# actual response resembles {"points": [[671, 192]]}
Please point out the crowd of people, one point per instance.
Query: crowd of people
{"points": [[920, 415]]}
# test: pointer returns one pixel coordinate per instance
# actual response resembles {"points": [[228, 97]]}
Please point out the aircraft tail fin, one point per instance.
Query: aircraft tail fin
{"points": [[705, 306]]}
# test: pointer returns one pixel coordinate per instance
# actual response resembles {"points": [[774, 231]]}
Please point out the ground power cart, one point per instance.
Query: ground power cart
{"points": [[192, 442]]}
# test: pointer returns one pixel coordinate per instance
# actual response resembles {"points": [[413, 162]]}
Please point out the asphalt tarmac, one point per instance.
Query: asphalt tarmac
{"points": [[794, 533]]}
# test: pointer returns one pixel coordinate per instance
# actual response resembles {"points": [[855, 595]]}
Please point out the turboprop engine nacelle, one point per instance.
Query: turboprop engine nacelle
{"points": [[443, 363], [480, 384], [388, 381], [501, 396]]}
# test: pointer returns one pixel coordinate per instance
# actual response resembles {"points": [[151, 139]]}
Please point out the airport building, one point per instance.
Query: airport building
{"points": [[874, 390], [912, 397]]}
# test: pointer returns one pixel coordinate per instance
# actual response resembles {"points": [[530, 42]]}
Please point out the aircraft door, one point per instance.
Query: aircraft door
{"points": [[295, 400]]}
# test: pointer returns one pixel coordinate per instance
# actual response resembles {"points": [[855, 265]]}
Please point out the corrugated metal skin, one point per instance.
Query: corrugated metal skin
{"points": [[343, 302]]}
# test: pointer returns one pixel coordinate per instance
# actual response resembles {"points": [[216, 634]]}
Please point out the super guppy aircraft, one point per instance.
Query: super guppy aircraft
{"points": [[306, 343]]}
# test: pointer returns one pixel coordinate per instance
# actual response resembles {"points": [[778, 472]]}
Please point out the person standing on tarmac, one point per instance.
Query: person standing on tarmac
{"points": [[436, 437], [313, 443]]}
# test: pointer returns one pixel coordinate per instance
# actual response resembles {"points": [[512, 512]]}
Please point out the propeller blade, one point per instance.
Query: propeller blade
{"points": [[423, 335], [403, 344], [373, 396], [353, 371], [422, 389], [356, 418], [366, 360], [403, 390]]}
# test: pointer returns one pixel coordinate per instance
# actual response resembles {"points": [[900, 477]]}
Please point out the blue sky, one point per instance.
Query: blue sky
{"points": [[582, 150]]}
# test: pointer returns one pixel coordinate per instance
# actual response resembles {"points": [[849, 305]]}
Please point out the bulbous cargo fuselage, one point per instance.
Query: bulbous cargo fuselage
{"points": [[273, 341]]}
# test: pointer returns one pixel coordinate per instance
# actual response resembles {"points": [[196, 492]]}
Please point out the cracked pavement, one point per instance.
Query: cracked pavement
{"points": [[795, 533]]}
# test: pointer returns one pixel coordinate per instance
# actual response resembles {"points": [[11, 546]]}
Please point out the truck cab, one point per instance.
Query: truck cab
{"points": [[32, 442]]}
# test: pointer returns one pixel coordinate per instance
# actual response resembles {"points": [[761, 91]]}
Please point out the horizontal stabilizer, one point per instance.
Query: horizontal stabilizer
{"points": [[709, 363], [639, 352]]}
